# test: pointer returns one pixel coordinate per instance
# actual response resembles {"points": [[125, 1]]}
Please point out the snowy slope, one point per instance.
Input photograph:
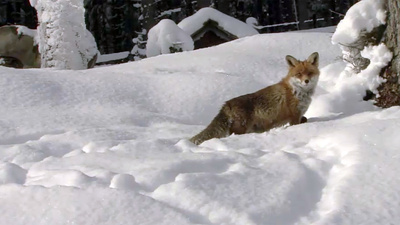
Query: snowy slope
{"points": [[109, 145]]}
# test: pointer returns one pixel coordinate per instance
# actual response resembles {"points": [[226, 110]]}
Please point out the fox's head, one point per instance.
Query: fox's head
{"points": [[303, 74]]}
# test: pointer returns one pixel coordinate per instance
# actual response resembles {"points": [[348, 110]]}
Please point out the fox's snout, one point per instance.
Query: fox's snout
{"points": [[304, 79], [307, 80], [304, 82]]}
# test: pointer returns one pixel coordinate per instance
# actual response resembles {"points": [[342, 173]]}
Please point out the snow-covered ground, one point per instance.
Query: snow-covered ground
{"points": [[109, 145]]}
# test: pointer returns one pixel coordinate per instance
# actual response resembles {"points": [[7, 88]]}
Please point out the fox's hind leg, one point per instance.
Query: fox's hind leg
{"points": [[218, 128], [238, 127], [241, 124]]}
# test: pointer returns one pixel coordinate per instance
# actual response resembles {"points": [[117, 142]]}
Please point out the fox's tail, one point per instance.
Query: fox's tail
{"points": [[218, 128]]}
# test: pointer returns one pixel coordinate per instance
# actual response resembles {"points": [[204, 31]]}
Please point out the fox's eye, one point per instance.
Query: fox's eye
{"points": [[298, 75]]}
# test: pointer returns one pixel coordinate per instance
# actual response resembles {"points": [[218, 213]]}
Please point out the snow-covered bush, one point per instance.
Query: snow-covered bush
{"points": [[166, 37], [138, 51], [359, 34], [64, 42], [361, 27]]}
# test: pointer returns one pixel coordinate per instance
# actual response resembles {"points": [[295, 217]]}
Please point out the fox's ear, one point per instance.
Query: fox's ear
{"points": [[314, 59], [291, 61]]}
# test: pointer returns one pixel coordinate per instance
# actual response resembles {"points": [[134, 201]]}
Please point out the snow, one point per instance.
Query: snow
{"points": [[252, 21], [112, 56], [110, 145], [33, 2], [23, 30], [167, 34], [379, 57], [234, 26], [365, 15], [169, 12]]}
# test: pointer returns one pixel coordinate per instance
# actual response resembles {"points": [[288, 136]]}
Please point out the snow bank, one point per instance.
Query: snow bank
{"points": [[379, 57], [234, 26], [166, 35], [365, 15], [348, 90]]}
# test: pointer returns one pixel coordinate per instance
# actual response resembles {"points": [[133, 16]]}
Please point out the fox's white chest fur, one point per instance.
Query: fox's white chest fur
{"points": [[303, 92]]}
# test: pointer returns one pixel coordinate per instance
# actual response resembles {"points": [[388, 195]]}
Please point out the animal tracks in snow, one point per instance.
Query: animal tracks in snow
{"points": [[20, 139], [11, 173], [294, 180]]}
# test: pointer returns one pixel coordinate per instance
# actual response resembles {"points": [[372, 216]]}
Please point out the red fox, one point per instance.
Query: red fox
{"points": [[273, 106]]}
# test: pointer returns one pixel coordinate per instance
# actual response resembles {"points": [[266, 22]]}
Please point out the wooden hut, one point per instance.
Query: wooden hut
{"points": [[209, 27]]}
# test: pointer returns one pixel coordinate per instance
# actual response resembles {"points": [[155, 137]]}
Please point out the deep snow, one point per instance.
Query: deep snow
{"points": [[109, 145]]}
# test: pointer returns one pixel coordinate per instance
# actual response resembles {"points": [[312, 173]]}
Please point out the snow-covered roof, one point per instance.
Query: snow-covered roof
{"points": [[234, 26]]}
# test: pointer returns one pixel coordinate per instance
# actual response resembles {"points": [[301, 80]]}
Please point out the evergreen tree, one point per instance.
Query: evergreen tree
{"points": [[288, 14], [188, 8], [184, 10], [113, 24], [94, 18], [139, 46], [321, 9], [139, 41], [214, 4], [261, 11], [302, 14], [124, 24], [18, 12], [167, 9], [233, 8], [274, 15], [28, 15], [244, 9]]}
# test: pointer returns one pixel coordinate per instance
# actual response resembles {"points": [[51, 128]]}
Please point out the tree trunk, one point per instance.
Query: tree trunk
{"points": [[302, 14], [64, 42], [390, 90]]}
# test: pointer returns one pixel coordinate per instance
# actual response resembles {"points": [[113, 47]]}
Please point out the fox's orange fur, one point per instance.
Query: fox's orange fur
{"points": [[273, 106]]}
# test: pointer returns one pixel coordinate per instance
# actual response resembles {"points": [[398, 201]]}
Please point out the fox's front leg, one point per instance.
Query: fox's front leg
{"points": [[297, 120]]}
